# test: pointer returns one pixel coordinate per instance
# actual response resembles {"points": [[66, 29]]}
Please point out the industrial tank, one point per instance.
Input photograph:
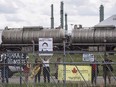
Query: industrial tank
{"points": [[12, 35], [82, 36], [105, 35], [94, 35], [28, 34]]}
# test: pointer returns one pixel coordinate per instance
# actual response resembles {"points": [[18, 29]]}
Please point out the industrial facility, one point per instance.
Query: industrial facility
{"points": [[79, 39], [19, 42]]}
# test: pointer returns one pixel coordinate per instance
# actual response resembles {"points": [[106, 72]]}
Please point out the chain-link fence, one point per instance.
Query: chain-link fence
{"points": [[31, 70]]}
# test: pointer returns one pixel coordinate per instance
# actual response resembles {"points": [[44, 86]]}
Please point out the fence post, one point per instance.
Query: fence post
{"points": [[20, 72], [64, 65]]}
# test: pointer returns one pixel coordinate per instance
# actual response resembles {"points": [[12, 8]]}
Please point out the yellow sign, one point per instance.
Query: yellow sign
{"points": [[75, 73], [34, 71]]}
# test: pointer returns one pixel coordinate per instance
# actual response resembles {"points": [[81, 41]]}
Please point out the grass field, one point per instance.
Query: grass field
{"points": [[68, 58], [77, 58], [52, 85]]}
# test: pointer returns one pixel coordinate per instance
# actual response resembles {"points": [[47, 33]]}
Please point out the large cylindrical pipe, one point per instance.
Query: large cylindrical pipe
{"points": [[93, 35], [27, 35]]}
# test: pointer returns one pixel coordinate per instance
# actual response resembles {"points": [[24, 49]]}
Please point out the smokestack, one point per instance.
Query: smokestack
{"points": [[61, 14], [66, 26], [101, 13], [52, 17]]}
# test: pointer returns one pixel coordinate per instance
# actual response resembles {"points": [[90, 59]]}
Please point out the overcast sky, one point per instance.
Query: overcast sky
{"points": [[19, 13]]}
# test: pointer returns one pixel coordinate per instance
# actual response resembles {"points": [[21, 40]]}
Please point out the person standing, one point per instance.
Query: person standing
{"points": [[4, 69], [95, 72], [46, 69], [56, 67], [107, 69], [38, 63], [26, 69]]}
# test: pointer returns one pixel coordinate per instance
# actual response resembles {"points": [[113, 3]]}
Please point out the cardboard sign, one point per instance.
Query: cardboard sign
{"points": [[88, 57], [45, 46], [75, 73]]}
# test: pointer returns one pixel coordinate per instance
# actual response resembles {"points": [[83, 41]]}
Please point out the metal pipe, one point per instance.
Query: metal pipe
{"points": [[66, 26], [101, 13], [61, 14], [52, 17], [33, 47]]}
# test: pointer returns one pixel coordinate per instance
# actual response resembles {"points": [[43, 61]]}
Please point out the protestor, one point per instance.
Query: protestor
{"points": [[26, 69], [46, 69], [37, 76], [4, 69], [95, 71], [107, 70], [56, 67]]}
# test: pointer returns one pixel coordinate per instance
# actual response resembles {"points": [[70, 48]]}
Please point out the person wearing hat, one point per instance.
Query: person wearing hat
{"points": [[26, 69]]}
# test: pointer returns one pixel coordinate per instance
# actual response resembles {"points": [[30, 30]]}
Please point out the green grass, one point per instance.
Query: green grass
{"points": [[68, 58], [52, 85], [75, 58]]}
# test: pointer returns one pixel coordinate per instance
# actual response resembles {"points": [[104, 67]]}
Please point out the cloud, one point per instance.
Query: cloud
{"points": [[81, 7], [111, 10], [13, 18], [9, 6], [7, 9], [38, 12]]}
